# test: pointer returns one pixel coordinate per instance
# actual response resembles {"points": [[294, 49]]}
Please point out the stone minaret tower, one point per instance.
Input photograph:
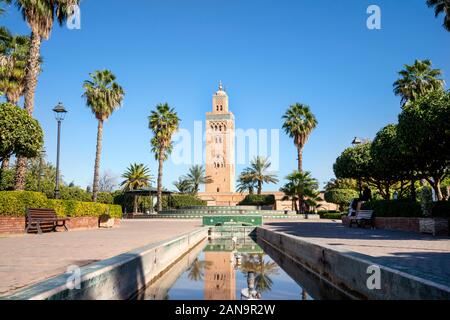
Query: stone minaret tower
{"points": [[220, 165]]}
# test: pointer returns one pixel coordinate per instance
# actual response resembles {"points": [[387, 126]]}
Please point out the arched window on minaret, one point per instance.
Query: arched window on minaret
{"points": [[221, 108]]}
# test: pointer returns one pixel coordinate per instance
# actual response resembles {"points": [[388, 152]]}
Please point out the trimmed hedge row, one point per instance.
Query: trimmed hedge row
{"points": [[258, 200], [331, 216], [15, 203], [441, 209], [179, 201], [394, 208]]}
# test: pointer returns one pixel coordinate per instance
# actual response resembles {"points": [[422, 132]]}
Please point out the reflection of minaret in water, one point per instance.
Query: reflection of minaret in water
{"points": [[220, 277]]}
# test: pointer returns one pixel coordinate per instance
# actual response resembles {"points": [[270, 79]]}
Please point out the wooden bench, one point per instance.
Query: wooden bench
{"points": [[43, 220], [362, 218]]}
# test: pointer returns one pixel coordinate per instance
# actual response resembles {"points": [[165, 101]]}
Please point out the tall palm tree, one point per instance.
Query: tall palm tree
{"points": [[196, 177], [258, 173], [417, 80], [40, 16], [103, 95], [441, 6], [299, 122], [13, 70], [136, 177], [304, 186], [182, 185], [245, 183], [163, 122]]}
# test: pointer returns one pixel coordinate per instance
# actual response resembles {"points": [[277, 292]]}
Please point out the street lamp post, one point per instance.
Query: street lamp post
{"points": [[41, 164], [60, 114]]}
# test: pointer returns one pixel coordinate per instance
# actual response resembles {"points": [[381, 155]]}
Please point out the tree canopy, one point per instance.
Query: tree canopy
{"points": [[20, 134]]}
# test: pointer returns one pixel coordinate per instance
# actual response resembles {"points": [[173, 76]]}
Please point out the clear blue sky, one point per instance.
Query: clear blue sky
{"points": [[269, 54]]}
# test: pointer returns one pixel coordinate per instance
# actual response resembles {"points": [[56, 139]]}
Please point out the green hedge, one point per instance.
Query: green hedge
{"points": [[394, 208], [258, 200], [179, 201], [15, 203], [441, 209], [331, 216]]}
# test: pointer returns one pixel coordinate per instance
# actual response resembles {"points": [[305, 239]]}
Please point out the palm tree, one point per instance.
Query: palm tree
{"points": [[304, 186], [197, 269], [163, 122], [40, 16], [441, 6], [103, 95], [290, 193], [13, 71], [299, 122], [259, 272], [417, 80], [196, 177], [182, 185], [14, 56], [136, 177], [258, 173], [245, 183]]}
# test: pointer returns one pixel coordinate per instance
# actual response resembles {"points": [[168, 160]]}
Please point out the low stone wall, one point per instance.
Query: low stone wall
{"points": [[117, 278], [400, 224], [16, 225], [350, 273], [404, 224]]}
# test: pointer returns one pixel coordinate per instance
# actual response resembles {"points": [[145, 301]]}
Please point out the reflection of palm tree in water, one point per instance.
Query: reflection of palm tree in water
{"points": [[258, 272], [197, 270]]}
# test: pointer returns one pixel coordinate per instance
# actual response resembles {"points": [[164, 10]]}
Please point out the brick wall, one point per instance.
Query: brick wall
{"points": [[400, 224], [16, 225]]}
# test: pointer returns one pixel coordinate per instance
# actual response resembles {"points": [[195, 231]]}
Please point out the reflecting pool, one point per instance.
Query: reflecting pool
{"points": [[237, 269]]}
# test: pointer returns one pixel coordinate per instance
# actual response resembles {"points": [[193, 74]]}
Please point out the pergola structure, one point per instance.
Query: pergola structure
{"points": [[151, 192]]}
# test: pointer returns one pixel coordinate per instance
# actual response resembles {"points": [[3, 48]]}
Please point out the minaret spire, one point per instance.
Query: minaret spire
{"points": [[220, 85]]}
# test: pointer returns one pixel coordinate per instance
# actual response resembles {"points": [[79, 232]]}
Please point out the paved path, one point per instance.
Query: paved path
{"points": [[27, 259], [421, 255]]}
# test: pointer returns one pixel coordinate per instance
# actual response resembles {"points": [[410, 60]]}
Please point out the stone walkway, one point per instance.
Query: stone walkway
{"points": [[420, 255], [27, 259]]}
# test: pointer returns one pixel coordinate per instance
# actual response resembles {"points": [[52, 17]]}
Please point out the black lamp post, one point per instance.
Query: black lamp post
{"points": [[60, 114]]}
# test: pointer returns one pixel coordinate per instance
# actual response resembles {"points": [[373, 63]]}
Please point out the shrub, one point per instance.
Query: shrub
{"points": [[15, 203], [178, 201], [394, 208], [105, 197], [441, 209], [258, 200], [75, 193], [341, 197], [331, 216]]}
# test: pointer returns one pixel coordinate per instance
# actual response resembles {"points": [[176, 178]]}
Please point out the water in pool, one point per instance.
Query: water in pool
{"points": [[237, 269]]}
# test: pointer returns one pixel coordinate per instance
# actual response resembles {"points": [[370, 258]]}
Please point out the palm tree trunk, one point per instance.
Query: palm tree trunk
{"points": [[300, 158], [21, 171], [32, 72], [135, 207], [95, 184], [259, 188], [30, 89], [160, 177]]}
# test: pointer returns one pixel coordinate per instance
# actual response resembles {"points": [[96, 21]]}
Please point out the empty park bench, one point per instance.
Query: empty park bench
{"points": [[43, 220], [362, 218]]}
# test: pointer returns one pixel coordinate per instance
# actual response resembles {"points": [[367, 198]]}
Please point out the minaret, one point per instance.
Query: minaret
{"points": [[220, 165]]}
